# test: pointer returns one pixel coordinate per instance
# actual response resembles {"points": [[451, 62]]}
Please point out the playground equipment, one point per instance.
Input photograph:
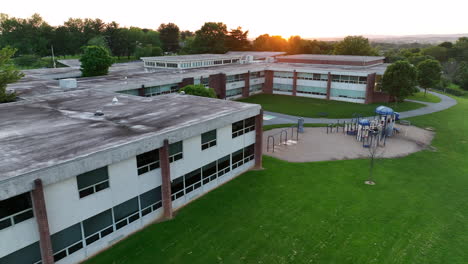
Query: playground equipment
{"points": [[369, 131], [283, 136]]}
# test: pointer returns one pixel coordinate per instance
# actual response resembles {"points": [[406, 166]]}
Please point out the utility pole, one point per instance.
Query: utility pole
{"points": [[53, 57]]}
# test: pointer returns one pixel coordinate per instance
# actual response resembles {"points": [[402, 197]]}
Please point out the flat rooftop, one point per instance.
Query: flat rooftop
{"points": [[180, 58], [257, 55], [133, 75], [50, 130], [321, 57]]}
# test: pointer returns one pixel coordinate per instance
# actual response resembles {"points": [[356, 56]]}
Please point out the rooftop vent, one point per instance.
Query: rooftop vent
{"points": [[68, 83]]}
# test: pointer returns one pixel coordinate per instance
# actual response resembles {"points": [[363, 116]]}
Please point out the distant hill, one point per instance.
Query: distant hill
{"points": [[426, 38]]}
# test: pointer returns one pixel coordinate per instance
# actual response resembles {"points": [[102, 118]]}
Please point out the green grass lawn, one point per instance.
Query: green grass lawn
{"points": [[321, 212], [419, 96], [311, 107]]}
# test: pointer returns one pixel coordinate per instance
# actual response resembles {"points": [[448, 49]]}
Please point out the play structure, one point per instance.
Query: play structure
{"points": [[370, 130]]}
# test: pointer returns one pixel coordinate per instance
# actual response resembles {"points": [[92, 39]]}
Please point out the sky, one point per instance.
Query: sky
{"points": [[307, 18]]}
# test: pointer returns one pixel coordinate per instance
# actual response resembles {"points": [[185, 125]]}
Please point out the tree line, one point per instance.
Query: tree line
{"points": [[34, 36]]}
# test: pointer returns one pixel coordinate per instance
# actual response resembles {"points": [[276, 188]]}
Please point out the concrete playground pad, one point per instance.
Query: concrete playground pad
{"points": [[316, 145]]}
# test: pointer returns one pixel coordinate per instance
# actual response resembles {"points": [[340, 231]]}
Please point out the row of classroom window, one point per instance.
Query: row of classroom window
{"points": [[85, 233], [241, 77], [154, 90], [322, 77], [238, 91], [19, 208], [352, 94]]}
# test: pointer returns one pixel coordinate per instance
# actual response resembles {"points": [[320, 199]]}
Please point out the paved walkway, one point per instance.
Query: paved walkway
{"points": [[272, 118]]}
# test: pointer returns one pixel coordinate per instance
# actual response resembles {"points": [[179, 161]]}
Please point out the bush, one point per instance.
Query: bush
{"points": [[199, 90]]}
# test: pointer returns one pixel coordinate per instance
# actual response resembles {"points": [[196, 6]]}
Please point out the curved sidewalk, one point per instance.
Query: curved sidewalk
{"points": [[272, 118]]}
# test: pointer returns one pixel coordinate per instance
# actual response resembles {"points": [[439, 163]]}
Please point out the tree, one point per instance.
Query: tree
{"points": [[198, 90], [461, 75], [95, 61], [169, 35], [439, 53], [400, 80], [355, 45], [237, 40], [210, 38], [99, 41], [429, 73], [7, 74]]}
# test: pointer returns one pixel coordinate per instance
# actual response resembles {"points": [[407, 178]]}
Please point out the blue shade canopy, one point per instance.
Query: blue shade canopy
{"points": [[383, 110], [364, 122]]}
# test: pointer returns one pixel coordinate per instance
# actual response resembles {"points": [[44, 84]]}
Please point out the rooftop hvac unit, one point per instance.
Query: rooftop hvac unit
{"points": [[270, 60], [69, 83]]}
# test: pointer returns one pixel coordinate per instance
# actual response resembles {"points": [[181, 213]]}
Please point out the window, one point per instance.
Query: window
{"points": [[249, 125], [226, 61], [224, 165], [150, 201], [312, 90], [126, 213], [98, 226], [237, 128], [67, 242], [148, 161], [192, 180], [205, 81], [256, 87], [177, 188], [209, 172], [235, 78], [255, 75], [175, 151], [233, 92], [249, 152], [92, 181], [237, 158], [280, 87], [15, 210], [288, 75], [244, 126], [363, 80], [130, 92], [28, 254], [208, 139], [171, 65]]}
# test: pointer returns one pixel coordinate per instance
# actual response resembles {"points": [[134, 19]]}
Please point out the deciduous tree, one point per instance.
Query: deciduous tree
{"points": [[429, 73], [7, 74], [95, 61], [169, 35], [355, 45], [400, 80]]}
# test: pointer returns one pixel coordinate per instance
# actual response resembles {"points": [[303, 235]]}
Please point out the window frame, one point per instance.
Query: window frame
{"points": [[211, 143]]}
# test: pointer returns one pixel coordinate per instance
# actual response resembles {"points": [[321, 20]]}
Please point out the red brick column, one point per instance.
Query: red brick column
{"points": [[141, 91], [268, 86], [185, 82], [294, 91], [166, 179], [40, 212], [258, 140], [218, 83], [329, 81], [246, 89], [370, 86]]}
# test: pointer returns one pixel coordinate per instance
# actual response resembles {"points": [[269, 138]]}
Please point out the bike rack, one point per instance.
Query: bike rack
{"points": [[268, 143], [281, 136]]}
